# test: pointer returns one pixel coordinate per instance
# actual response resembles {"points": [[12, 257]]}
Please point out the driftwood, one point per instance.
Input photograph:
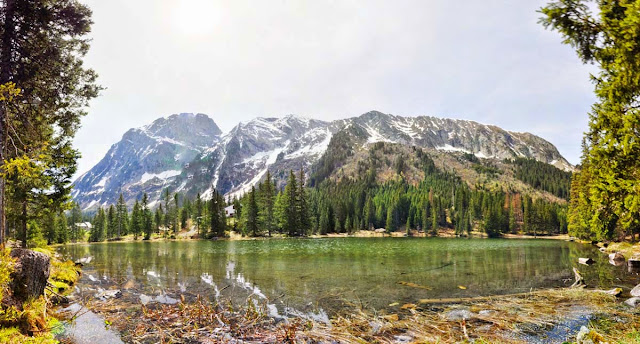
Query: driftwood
{"points": [[579, 283], [30, 275]]}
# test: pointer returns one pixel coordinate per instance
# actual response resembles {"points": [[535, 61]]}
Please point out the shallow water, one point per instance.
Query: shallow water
{"points": [[316, 277]]}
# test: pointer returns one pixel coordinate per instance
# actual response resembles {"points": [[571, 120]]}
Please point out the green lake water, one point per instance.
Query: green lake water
{"points": [[324, 276]]}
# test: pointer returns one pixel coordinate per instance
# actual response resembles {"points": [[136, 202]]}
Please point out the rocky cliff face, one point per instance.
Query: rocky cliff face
{"points": [[146, 159], [187, 154]]}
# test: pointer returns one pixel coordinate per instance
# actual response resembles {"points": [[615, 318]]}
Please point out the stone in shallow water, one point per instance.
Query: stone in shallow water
{"points": [[458, 314], [587, 336], [636, 291], [403, 339], [633, 302]]}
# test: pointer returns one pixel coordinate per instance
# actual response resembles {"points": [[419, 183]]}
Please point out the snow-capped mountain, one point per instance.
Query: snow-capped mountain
{"points": [[484, 141], [146, 159], [243, 156], [187, 154]]}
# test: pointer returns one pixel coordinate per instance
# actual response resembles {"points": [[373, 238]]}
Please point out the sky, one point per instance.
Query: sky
{"points": [[488, 61]]}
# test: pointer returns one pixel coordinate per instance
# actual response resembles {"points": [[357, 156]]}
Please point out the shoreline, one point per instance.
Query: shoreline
{"points": [[234, 236]]}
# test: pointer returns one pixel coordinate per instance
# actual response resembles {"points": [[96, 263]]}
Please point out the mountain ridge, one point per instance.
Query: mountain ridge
{"points": [[234, 161]]}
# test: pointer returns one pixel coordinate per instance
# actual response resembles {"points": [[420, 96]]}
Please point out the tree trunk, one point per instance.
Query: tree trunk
{"points": [[30, 275], [24, 227], [6, 53]]}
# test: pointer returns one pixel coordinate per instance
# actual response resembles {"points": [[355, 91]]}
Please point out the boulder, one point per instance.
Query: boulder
{"points": [[636, 291], [617, 256], [30, 275]]}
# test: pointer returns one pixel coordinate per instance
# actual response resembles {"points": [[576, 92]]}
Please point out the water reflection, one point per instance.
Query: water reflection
{"points": [[309, 276]]}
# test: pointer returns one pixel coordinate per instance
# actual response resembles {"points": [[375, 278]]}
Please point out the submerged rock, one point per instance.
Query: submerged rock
{"points": [[108, 294]]}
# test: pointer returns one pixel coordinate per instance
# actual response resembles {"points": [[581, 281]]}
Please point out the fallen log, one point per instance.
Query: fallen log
{"points": [[579, 283]]}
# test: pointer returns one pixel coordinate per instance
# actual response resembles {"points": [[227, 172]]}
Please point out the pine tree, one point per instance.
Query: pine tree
{"points": [[290, 200], [390, 222], [167, 211], [122, 217], [217, 216], [408, 226], [175, 216], [304, 223], [147, 219], [267, 202], [435, 226], [99, 224], [198, 215], [158, 218], [111, 222], [250, 213], [324, 222], [136, 220], [62, 229], [75, 219], [369, 213]]}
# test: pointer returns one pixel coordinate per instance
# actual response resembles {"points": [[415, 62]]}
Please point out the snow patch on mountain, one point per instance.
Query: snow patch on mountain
{"points": [[162, 175]]}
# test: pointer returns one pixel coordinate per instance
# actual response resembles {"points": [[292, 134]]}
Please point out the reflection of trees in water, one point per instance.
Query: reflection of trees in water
{"points": [[601, 273], [329, 271]]}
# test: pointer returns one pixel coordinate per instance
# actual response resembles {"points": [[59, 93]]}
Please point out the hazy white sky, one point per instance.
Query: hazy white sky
{"points": [[488, 61]]}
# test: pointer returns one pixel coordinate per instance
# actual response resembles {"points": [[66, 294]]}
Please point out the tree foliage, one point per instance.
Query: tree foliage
{"points": [[605, 194]]}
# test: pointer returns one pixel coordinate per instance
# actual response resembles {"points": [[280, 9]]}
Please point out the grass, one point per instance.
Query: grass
{"points": [[34, 322]]}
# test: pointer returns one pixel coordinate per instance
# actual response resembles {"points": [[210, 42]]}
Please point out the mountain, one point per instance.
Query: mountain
{"points": [[242, 157], [146, 159], [484, 141], [186, 153]]}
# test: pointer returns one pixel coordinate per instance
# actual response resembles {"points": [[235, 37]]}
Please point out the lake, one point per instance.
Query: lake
{"points": [[321, 277]]}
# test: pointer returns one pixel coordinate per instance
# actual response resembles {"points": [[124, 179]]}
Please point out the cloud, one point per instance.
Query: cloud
{"points": [[488, 61]]}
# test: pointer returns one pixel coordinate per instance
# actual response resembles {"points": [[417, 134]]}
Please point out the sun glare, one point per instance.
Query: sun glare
{"points": [[195, 17]]}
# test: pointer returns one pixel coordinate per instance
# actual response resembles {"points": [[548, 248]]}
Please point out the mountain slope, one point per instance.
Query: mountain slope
{"points": [[146, 159], [189, 156]]}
